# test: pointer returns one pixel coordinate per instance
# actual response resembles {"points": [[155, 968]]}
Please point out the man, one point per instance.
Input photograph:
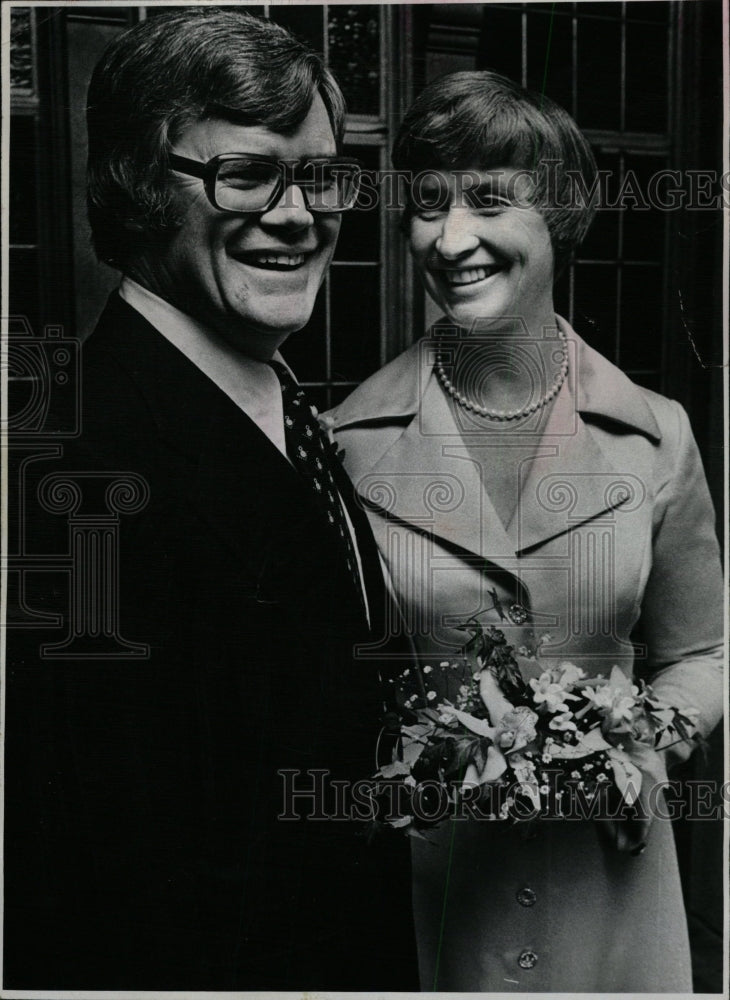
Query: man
{"points": [[144, 848]]}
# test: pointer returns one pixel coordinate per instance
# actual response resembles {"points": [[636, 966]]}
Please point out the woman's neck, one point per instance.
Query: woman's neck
{"points": [[502, 369]]}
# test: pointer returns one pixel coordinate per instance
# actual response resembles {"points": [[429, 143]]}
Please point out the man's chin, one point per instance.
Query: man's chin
{"points": [[260, 339]]}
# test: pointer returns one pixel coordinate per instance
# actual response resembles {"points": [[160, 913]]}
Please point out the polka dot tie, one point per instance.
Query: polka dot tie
{"points": [[311, 455]]}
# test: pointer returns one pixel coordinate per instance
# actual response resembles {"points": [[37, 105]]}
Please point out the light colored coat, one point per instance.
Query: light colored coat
{"points": [[613, 524]]}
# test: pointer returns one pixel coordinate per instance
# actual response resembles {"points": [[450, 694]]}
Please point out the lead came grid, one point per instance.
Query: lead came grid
{"points": [[609, 66]]}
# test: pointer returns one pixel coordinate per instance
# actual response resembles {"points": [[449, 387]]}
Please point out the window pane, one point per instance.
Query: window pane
{"points": [[649, 380], [641, 10], [641, 317], [354, 55], [550, 57], [595, 306], [599, 72], [610, 11], [355, 299], [304, 21], [601, 243], [643, 229], [646, 78], [500, 42], [360, 232]]}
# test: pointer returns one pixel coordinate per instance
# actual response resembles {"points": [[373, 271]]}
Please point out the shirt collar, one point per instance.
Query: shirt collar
{"points": [[198, 342], [248, 382]]}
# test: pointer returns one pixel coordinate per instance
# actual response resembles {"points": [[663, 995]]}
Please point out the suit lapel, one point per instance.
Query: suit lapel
{"points": [[229, 471]]}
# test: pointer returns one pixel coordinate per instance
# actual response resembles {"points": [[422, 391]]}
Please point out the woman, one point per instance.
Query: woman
{"points": [[513, 473]]}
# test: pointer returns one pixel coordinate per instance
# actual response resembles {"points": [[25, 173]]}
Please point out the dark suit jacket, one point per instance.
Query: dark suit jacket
{"points": [[143, 848]]}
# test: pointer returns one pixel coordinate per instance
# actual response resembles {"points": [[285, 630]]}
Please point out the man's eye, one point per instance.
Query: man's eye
{"points": [[244, 177], [487, 203]]}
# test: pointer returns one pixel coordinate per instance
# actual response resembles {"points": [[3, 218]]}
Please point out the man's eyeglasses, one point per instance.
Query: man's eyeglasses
{"points": [[246, 182]]}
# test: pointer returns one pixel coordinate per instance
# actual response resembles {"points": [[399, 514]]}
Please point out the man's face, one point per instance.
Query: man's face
{"points": [[253, 278]]}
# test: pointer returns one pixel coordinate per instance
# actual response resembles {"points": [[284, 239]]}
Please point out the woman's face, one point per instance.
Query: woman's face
{"points": [[483, 252]]}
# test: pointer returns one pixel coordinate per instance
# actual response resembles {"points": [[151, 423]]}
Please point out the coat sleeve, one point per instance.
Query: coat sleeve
{"points": [[683, 608]]}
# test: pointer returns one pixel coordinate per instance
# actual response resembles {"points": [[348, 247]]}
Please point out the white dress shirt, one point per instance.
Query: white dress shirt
{"points": [[252, 385]]}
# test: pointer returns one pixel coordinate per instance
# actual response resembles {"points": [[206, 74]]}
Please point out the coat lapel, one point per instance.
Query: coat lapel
{"points": [[573, 480], [426, 478]]}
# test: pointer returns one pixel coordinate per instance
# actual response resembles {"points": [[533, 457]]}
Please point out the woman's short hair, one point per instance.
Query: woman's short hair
{"points": [[484, 121], [161, 76]]}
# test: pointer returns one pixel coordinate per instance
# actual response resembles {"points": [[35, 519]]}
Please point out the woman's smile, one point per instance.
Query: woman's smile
{"points": [[467, 277]]}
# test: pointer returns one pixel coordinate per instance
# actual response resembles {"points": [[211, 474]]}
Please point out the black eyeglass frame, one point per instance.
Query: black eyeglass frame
{"points": [[208, 173]]}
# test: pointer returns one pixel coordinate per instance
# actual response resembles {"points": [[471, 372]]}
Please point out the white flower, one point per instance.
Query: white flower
{"points": [[615, 702], [547, 693], [430, 695], [563, 722], [569, 674], [427, 670], [444, 663]]}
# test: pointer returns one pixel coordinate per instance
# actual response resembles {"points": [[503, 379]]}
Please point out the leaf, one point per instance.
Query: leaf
{"points": [[412, 751], [394, 770], [682, 729], [497, 604], [491, 694], [627, 777], [479, 726]]}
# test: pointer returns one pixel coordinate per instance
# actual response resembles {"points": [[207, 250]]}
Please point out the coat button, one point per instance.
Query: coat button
{"points": [[527, 959], [526, 897]]}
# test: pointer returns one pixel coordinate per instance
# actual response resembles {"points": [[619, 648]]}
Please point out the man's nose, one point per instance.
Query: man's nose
{"points": [[290, 210], [457, 236]]}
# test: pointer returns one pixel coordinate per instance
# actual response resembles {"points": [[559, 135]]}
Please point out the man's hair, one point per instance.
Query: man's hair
{"points": [[160, 77], [484, 121]]}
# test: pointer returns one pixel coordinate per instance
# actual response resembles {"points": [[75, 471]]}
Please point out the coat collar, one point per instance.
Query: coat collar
{"points": [[429, 477], [600, 390]]}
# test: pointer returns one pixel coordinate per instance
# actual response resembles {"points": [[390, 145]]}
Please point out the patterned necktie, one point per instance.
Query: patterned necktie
{"points": [[309, 451]]}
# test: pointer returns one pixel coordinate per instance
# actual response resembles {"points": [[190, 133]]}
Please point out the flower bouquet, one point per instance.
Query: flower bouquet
{"points": [[485, 735]]}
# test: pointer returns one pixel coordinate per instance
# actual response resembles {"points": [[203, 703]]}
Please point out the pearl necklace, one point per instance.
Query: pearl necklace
{"points": [[482, 411]]}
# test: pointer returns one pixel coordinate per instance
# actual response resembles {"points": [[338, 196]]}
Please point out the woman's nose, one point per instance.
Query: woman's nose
{"points": [[457, 237], [290, 211]]}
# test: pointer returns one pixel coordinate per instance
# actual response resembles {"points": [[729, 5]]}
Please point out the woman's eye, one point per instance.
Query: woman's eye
{"points": [[429, 214]]}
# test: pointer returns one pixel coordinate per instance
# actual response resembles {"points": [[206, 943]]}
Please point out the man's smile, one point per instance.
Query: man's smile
{"points": [[272, 260]]}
